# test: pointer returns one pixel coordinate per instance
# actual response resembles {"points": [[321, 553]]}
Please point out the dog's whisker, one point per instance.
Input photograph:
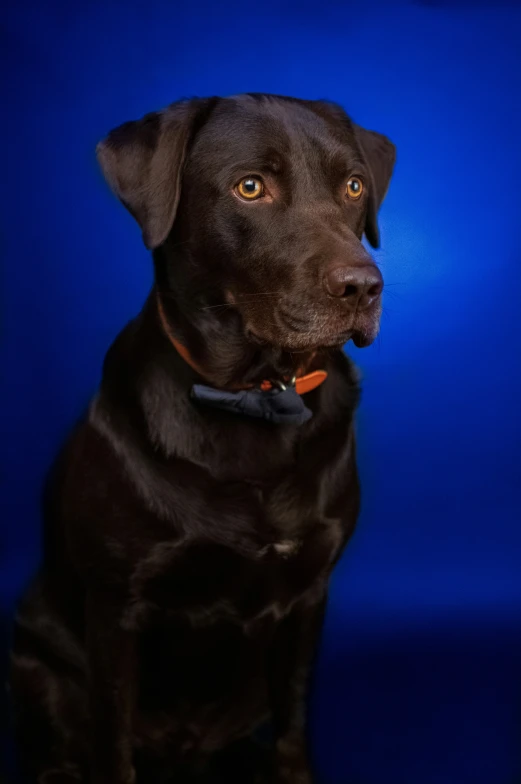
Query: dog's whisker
{"points": [[213, 307], [242, 300], [262, 293], [253, 297]]}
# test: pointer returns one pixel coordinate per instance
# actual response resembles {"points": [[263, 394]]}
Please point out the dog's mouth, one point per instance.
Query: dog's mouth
{"points": [[362, 329], [303, 329], [362, 339]]}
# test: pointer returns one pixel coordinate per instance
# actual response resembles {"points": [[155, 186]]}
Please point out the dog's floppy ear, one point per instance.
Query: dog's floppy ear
{"points": [[143, 161], [380, 156]]}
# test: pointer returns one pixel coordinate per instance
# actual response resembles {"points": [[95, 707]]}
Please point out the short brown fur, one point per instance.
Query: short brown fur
{"points": [[187, 551]]}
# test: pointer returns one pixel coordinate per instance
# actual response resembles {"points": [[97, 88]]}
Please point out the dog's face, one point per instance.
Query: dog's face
{"points": [[260, 203]]}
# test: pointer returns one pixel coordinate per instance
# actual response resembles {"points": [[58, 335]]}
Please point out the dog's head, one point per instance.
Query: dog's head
{"points": [[259, 203]]}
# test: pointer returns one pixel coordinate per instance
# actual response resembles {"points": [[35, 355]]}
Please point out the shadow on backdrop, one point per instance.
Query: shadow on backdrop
{"points": [[419, 677]]}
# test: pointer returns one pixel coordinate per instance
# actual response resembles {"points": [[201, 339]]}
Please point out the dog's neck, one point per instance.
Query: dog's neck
{"points": [[217, 348]]}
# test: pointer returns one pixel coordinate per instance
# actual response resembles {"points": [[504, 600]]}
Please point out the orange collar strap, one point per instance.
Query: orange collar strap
{"points": [[303, 383]]}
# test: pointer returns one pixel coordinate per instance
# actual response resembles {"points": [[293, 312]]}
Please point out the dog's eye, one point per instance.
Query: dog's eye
{"points": [[250, 188], [354, 188]]}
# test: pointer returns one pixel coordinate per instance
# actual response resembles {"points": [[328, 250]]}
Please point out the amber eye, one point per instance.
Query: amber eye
{"points": [[250, 188], [354, 188]]}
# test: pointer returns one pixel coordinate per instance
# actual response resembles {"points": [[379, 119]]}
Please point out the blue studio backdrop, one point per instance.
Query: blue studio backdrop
{"points": [[418, 679]]}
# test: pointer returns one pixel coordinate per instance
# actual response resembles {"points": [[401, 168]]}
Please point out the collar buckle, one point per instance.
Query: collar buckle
{"points": [[283, 385]]}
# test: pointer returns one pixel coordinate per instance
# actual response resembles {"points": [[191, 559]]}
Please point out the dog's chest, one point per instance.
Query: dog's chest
{"points": [[206, 581]]}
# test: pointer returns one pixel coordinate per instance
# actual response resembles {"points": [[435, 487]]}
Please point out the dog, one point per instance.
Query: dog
{"points": [[194, 517]]}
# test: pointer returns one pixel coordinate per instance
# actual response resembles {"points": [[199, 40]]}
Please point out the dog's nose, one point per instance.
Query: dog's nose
{"points": [[359, 287]]}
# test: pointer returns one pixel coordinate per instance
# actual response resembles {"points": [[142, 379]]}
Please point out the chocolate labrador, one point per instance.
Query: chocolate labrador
{"points": [[194, 517]]}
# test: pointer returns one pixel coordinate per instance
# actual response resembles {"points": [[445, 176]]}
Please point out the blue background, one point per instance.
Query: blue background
{"points": [[419, 676]]}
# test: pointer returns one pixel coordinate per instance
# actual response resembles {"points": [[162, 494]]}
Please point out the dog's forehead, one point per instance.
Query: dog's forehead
{"points": [[246, 126]]}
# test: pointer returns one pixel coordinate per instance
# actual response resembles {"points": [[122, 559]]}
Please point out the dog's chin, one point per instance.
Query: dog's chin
{"points": [[305, 343], [302, 342], [360, 338], [329, 333]]}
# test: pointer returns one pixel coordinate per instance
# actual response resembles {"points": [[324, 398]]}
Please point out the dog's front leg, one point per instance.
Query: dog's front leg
{"points": [[112, 667], [291, 658]]}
